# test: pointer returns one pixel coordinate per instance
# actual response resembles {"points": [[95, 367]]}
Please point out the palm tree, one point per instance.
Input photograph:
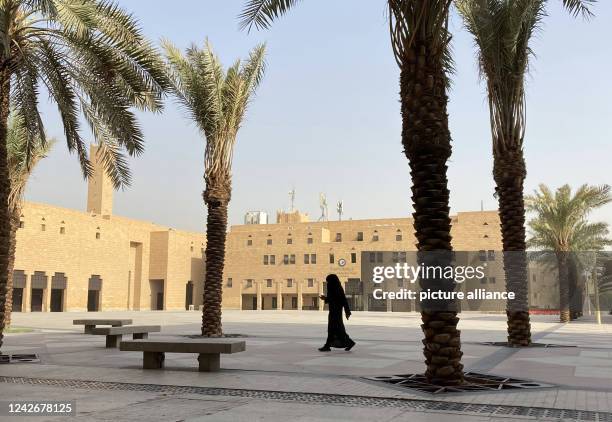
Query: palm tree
{"points": [[502, 31], [20, 168], [560, 226], [216, 99], [420, 40], [88, 55]]}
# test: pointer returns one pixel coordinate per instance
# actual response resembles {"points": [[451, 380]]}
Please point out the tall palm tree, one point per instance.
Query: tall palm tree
{"points": [[216, 99], [88, 55], [420, 40], [503, 31], [560, 226], [20, 168]]}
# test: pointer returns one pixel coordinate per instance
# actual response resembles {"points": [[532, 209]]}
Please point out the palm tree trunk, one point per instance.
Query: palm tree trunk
{"points": [[572, 287], [426, 141], [5, 236], [509, 173], [8, 312], [564, 308], [216, 232]]}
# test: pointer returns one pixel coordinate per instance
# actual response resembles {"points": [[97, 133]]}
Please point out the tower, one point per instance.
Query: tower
{"points": [[100, 187]]}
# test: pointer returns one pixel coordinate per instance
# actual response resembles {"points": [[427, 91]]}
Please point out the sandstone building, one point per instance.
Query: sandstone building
{"points": [[69, 260]]}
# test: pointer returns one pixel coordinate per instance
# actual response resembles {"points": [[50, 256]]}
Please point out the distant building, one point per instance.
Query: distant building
{"points": [[70, 260], [294, 217], [256, 217]]}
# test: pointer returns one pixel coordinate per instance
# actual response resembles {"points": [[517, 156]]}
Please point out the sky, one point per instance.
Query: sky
{"points": [[326, 117]]}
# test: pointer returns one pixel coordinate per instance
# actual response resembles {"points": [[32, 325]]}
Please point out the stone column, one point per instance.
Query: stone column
{"points": [[47, 294], [300, 299], [258, 290], [279, 295], [27, 293], [240, 295], [320, 292]]}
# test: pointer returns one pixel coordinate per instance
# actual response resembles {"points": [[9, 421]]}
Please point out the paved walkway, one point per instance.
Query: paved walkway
{"points": [[281, 375]]}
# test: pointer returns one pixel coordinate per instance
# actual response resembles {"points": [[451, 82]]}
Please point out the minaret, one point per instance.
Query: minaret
{"points": [[100, 187]]}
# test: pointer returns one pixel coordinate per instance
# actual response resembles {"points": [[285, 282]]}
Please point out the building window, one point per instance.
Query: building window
{"points": [[491, 255], [229, 282], [286, 259], [491, 280], [269, 282], [306, 258], [289, 241], [353, 258], [313, 258], [272, 259], [483, 280], [311, 282], [331, 258], [395, 257], [375, 236], [400, 282], [97, 235], [43, 227], [292, 259], [338, 237], [309, 240], [359, 236], [372, 257], [266, 259], [289, 282], [379, 257], [268, 241], [249, 242], [21, 224], [249, 284], [398, 236], [482, 255], [62, 230], [402, 257]]}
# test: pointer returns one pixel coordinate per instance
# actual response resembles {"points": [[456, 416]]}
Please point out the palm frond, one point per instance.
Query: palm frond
{"points": [[92, 58], [413, 22], [216, 99], [23, 155], [579, 7], [560, 219], [261, 13]]}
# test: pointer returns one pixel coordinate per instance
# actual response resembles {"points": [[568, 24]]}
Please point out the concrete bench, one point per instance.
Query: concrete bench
{"points": [[90, 324], [115, 334], [208, 350]]}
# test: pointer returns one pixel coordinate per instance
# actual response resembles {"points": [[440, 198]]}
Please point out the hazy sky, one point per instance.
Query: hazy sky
{"points": [[326, 118]]}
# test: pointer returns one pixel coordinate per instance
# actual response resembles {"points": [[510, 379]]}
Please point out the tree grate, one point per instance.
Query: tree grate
{"points": [[422, 405], [19, 358], [474, 382], [536, 345]]}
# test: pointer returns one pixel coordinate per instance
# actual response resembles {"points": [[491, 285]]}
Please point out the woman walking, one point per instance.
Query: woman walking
{"points": [[336, 333]]}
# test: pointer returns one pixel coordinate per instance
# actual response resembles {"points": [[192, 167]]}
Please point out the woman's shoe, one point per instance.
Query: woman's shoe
{"points": [[325, 349], [350, 346]]}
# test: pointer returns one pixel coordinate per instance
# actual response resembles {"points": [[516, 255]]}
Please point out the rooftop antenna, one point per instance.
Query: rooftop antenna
{"points": [[340, 209], [481, 205], [323, 206], [292, 198]]}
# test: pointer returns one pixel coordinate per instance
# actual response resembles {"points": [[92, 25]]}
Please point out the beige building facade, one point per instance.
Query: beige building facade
{"points": [[69, 260]]}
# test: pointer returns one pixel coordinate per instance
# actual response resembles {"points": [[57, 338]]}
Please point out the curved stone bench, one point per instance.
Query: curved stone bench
{"points": [[208, 350]]}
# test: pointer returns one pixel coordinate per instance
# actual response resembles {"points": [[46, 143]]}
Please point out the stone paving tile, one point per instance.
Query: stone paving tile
{"points": [[281, 355]]}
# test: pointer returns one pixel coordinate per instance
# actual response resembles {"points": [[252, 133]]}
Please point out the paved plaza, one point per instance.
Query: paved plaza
{"points": [[282, 376]]}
